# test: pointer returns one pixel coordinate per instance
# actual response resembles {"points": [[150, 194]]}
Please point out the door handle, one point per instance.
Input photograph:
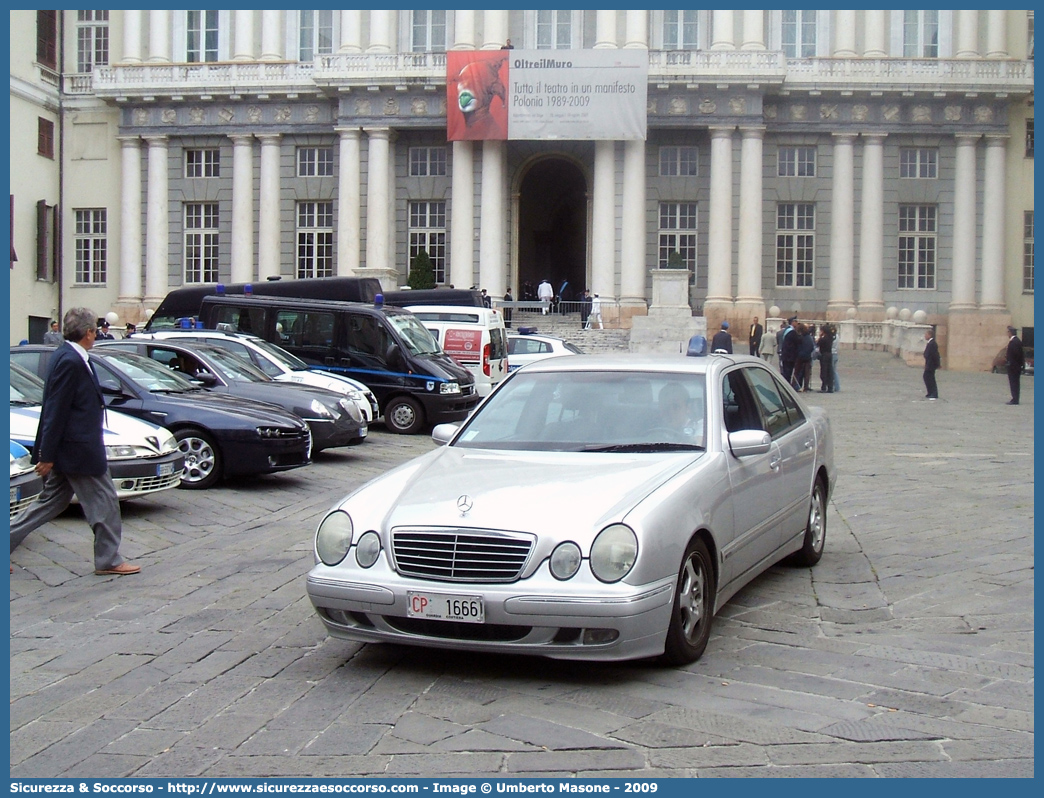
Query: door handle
{"points": [[809, 443], [775, 462]]}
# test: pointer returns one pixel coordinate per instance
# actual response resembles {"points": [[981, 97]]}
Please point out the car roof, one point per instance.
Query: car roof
{"points": [[173, 335], [642, 362]]}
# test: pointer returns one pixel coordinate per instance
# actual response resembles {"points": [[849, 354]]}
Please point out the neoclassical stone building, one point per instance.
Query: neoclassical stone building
{"points": [[821, 160]]}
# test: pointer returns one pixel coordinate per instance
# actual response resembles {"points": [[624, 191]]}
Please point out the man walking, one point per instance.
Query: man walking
{"points": [[545, 293], [1016, 363], [931, 364], [756, 332], [70, 451], [789, 344]]}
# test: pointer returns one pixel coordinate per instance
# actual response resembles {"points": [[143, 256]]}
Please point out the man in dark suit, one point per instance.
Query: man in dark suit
{"points": [[931, 364], [70, 450], [722, 341], [756, 331], [788, 343], [1016, 363]]}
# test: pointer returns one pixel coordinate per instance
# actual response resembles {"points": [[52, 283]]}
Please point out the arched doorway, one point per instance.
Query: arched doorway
{"points": [[552, 227]]}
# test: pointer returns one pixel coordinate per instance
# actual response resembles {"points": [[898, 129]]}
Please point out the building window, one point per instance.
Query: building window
{"points": [[315, 34], [201, 242], [678, 161], [314, 239], [203, 163], [314, 161], [554, 30], [92, 40], [427, 161], [91, 245], [921, 34], [1029, 137], [799, 34], [1027, 252], [917, 246], [45, 137], [429, 31], [47, 38], [681, 30], [795, 244], [428, 232], [796, 162], [202, 36], [919, 162], [677, 235]]}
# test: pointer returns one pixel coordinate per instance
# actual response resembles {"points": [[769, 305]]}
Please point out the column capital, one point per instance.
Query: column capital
{"points": [[967, 138], [348, 132], [721, 131], [156, 141], [753, 131], [996, 139], [269, 138], [844, 137], [129, 141], [241, 138], [378, 132], [874, 136]]}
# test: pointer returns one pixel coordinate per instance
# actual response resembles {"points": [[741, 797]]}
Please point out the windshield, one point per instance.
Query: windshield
{"points": [[414, 334], [234, 368], [280, 355], [580, 411], [26, 388], [147, 374]]}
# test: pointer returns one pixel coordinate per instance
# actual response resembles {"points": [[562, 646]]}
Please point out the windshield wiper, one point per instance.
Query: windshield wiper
{"points": [[24, 403], [657, 446]]}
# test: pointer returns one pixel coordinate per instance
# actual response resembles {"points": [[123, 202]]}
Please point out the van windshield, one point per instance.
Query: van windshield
{"points": [[414, 334]]}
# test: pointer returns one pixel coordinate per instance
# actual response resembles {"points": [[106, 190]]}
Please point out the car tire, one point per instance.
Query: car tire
{"points": [[403, 416], [693, 607], [815, 529], [203, 463]]}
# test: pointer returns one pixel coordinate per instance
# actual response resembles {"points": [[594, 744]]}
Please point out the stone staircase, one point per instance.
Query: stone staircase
{"points": [[567, 327]]}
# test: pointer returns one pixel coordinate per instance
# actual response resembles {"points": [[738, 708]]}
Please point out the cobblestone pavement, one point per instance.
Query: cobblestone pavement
{"points": [[908, 651]]}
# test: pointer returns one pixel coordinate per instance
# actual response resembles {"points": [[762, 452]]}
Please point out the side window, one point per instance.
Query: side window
{"points": [[796, 416], [366, 336], [773, 411], [738, 404], [305, 329]]}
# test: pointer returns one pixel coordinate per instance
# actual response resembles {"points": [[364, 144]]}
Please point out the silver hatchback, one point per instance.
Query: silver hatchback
{"points": [[600, 508]]}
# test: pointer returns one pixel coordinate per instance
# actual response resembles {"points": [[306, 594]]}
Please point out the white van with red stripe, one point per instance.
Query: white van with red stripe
{"points": [[474, 337]]}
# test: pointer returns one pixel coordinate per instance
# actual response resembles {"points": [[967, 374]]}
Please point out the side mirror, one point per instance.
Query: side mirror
{"points": [[392, 355], [205, 378], [747, 442], [443, 433], [110, 386]]}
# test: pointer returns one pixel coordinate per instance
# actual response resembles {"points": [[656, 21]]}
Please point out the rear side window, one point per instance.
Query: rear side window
{"points": [[244, 320], [305, 329]]}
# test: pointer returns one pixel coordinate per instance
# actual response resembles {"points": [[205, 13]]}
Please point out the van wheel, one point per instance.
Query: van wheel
{"points": [[403, 415]]}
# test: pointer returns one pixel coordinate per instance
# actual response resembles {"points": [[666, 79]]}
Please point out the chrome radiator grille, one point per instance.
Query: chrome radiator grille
{"points": [[459, 555]]}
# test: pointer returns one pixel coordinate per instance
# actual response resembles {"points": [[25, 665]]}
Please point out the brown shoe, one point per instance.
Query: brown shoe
{"points": [[122, 569]]}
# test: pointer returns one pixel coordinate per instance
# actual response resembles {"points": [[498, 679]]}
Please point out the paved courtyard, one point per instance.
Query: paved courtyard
{"points": [[907, 652]]}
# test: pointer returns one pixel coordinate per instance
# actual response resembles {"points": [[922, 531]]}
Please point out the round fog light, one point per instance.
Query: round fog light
{"points": [[599, 637], [565, 560], [367, 549]]}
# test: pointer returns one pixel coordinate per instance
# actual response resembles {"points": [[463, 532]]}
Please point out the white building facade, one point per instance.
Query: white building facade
{"points": [[837, 163]]}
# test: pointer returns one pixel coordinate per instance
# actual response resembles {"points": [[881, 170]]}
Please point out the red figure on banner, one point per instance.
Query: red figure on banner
{"points": [[476, 102]]}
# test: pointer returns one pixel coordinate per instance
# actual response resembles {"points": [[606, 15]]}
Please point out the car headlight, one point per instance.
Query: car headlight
{"points": [[124, 451], [449, 388], [367, 549], [334, 537], [351, 408], [565, 560], [166, 446], [23, 463], [613, 553], [321, 410]]}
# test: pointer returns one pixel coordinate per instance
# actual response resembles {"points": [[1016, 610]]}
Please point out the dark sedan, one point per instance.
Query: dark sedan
{"points": [[333, 419], [221, 435]]}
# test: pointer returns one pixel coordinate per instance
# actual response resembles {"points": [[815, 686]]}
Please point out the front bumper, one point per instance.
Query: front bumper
{"points": [[24, 488], [443, 409], [146, 475], [328, 433]]}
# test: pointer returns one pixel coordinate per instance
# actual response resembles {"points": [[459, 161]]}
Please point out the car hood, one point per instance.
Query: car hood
{"points": [[522, 491], [118, 429], [236, 410]]}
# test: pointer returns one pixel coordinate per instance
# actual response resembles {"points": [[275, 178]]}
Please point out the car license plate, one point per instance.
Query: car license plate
{"points": [[16, 495], [445, 607], [363, 431]]}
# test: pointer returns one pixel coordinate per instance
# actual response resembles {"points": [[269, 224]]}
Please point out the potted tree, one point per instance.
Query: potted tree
{"points": [[422, 273]]}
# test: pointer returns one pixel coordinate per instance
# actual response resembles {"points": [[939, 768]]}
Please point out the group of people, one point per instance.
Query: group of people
{"points": [[54, 337], [798, 345]]}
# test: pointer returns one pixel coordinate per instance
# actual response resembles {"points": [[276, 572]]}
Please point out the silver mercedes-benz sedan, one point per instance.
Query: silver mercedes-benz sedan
{"points": [[601, 508]]}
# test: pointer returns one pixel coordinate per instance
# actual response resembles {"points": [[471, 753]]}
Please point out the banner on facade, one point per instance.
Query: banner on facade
{"points": [[546, 94]]}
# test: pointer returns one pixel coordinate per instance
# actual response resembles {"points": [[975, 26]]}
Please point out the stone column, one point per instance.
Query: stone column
{"points": [[159, 36], [753, 30], [464, 29], [269, 227], [719, 238], [377, 201], [494, 28], [157, 243], [722, 36], [605, 29], [962, 295], [271, 35], [381, 31], [845, 34], [842, 227], [871, 229], [243, 45], [749, 299], [876, 40], [993, 224], [349, 204], [997, 33], [130, 220], [967, 33], [637, 30], [351, 31], [603, 227], [132, 38], [492, 266], [462, 216], [633, 267], [242, 208]]}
